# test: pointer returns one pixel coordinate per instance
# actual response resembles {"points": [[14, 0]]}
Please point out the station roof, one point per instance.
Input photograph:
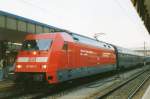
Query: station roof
{"points": [[14, 27], [147, 3]]}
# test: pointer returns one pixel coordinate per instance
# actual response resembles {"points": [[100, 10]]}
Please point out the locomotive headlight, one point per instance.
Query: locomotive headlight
{"points": [[44, 66], [19, 66], [34, 53]]}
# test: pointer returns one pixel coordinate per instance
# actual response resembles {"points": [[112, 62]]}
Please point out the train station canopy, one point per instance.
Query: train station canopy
{"points": [[147, 3], [14, 28]]}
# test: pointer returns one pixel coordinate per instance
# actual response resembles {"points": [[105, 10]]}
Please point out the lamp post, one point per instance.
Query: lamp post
{"points": [[144, 54]]}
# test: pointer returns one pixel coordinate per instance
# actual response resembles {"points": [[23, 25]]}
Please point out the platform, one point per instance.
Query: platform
{"points": [[147, 94]]}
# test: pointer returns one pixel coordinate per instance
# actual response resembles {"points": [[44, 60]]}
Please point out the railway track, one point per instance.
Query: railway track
{"points": [[61, 90], [15, 92], [55, 91], [76, 92], [6, 85], [27, 93], [127, 89]]}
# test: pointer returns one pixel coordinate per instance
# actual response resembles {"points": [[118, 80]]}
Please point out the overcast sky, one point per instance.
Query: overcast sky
{"points": [[116, 18]]}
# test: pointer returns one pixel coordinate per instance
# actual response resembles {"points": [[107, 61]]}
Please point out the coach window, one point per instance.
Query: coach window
{"points": [[65, 46]]}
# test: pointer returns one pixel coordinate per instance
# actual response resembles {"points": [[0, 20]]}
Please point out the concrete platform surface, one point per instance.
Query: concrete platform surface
{"points": [[147, 94]]}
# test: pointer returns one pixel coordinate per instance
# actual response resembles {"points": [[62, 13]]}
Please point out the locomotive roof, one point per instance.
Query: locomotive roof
{"points": [[99, 43]]}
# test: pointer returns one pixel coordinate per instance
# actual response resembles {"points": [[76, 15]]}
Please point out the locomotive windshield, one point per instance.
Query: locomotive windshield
{"points": [[41, 44]]}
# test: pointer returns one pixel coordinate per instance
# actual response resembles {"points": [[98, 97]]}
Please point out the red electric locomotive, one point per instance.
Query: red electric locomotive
{"points": [[58, 57]]}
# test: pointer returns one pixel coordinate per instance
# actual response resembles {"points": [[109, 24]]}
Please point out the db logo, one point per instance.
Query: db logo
{"points": [[32, 59]]}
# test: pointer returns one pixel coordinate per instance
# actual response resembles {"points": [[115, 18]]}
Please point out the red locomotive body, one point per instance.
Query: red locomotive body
{"points": [[58, 57]]}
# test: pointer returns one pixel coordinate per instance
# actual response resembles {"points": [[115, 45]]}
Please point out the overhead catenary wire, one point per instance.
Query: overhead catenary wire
{"points": [[46, 12], [127, 14]]}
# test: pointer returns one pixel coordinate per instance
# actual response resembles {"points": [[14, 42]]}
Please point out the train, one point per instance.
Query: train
{"points": [[62, 56], [147, 60]]}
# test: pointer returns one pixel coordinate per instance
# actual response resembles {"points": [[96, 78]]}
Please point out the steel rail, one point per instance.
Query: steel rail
{"points": [[137, 89], [120, 85]]}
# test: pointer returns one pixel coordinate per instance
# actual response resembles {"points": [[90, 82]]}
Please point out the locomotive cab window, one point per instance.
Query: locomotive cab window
{"points": [[41, 44]]}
